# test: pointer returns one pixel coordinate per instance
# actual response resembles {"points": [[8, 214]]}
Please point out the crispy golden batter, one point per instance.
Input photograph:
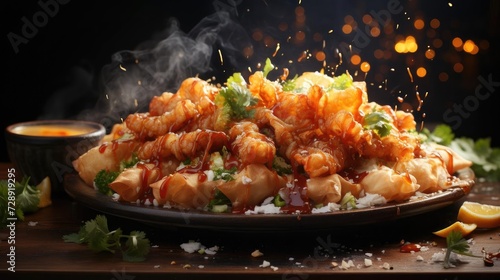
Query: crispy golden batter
{"points": [[312, 144]]}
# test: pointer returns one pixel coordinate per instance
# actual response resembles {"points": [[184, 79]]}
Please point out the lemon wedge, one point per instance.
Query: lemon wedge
{"points": [[483, 215], [45, 192], [463, 228]]}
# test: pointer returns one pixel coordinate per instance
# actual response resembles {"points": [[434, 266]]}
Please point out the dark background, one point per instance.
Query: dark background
{"points": [[68, 65]]}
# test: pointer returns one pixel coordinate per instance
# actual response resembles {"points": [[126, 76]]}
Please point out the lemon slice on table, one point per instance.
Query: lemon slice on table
{"points": [[483, 215], [44, 188], [463, 228]]}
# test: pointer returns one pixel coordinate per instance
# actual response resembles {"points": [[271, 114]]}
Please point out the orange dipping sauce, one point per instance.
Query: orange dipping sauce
{"points": [[52, 130]]}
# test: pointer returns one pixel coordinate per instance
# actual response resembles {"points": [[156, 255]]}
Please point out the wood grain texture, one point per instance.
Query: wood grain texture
{"points": [[41, 251]]}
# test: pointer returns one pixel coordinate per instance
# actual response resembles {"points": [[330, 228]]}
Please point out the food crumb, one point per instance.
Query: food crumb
{"points": [[32, 224], [420, 258], [275, 268], [186, 266], [368, 262], [344, 265], [368, 254], [334, 264], [201, 266], [386, 266], [257, 254], [265, 264], [173, 262], [157, 266]]}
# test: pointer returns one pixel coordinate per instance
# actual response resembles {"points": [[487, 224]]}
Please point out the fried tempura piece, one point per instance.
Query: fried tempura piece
{"points": [[183, 145], [251, 145], [107, 156], [145, 125], [132, 183]]}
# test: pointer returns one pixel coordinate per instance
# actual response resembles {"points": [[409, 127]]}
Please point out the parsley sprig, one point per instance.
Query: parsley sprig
{"points": [[96, 234], [457, 244], [27, 198]]}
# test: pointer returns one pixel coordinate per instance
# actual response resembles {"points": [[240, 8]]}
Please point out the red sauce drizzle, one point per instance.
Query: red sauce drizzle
{"points": [[410, 247], [297, 195], [164, 187], [231, 161], [352, 175], [145, 192], [196, 169]]}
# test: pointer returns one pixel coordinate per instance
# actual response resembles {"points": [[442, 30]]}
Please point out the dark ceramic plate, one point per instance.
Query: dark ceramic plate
{"points": [[174, 218]]}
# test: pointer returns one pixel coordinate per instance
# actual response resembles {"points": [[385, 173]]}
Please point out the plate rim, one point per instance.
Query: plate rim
{"points": [[77, 189]]}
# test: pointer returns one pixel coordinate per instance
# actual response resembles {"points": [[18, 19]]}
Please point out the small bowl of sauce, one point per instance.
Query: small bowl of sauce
{"points": [[48, 147]]}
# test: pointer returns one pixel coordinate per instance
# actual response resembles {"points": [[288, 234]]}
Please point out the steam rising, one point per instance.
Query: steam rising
{"points": [[134, 76]]}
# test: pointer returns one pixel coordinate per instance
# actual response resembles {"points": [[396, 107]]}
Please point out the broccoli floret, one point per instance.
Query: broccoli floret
{"points": [[103, 179]]}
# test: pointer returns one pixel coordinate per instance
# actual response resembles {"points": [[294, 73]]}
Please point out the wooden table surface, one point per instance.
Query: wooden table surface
{"points": [[41, 252]]}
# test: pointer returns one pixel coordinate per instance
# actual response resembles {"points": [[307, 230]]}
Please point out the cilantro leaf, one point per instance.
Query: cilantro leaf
{"points": [[137, 246], [455, 243], [379, 122], [236, 98], [441, 134], [95, 233], [485, 159], [27, 197]]}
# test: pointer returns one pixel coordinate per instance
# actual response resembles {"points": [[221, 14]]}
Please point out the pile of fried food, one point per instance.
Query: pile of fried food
{"points": [[296, 144]]}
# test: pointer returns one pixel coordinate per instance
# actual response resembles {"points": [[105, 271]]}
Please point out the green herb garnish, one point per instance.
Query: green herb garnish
{"points": [[341, 82], [278, 201], [96, 235], [102, 180], [379, 122], [455, 243], [267, 67], [217, 201], [281, 166], [105, 177], [289, 85], [224, 174], [348, 201], [27, 198], [235, 101]]}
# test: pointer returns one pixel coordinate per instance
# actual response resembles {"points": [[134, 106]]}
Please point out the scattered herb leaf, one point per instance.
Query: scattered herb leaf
{"points": [[95, 233], [455, 243], [27, 198]]}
